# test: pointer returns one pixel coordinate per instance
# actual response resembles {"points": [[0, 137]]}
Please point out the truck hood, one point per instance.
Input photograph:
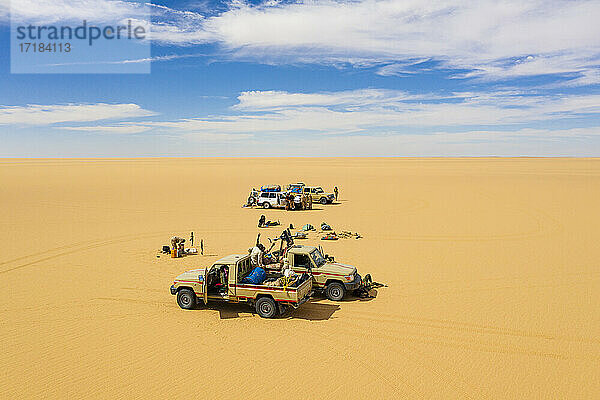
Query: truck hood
{"points": [[337, 268], [191, 275]]}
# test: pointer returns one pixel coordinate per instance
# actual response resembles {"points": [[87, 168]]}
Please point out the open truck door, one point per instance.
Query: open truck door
{"points": [[231, 281], [204, 282]]}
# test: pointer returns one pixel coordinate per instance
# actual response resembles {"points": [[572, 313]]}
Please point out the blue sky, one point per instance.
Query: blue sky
{"points": [[318, 78]]}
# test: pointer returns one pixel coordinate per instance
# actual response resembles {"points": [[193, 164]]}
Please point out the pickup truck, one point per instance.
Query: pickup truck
{"points": [[255, 194], [223, 282], [287, 200], [272, 200], [334, 279], [318, 194]]}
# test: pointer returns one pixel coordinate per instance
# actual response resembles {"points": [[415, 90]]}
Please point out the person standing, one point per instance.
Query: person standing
{"points": [[335, 192]]}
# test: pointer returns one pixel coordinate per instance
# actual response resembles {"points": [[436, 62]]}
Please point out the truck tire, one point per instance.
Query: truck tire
{"points": [[335, 291], [323, 200], [186, 299], [266, 307], [266, 205]]}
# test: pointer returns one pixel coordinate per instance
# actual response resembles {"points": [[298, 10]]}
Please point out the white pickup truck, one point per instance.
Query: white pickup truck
{"points": [[271, 200]]}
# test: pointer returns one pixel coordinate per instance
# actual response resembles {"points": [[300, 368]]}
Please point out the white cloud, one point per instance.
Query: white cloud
{"points": [[495, 40], [53, 11], [111, 129], [485, 35], [360, 122], [52, 114], [345, 113], [370, 111], [525, 142], [219, 137], [270, 100], [133, 60]]}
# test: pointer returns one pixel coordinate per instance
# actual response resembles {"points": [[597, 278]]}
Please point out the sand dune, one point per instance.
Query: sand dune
{"points": [[492, 267]]}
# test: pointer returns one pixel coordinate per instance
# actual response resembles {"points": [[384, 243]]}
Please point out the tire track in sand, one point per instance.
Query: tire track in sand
{"points": [[74, 248]]}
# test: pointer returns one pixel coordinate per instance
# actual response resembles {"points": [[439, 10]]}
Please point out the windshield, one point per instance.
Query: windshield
{"points": [[317, 258], [318, 190]]}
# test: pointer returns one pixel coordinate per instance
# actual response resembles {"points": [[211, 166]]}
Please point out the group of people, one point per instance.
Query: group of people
{"points": [[257, 253]]}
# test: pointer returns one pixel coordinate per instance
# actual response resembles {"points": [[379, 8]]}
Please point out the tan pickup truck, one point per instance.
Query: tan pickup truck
{"points": [[223, 282], [318, 194], [332, 278]]}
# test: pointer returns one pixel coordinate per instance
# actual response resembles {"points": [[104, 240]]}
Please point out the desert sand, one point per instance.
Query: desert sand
{"points": [[492, 266]]}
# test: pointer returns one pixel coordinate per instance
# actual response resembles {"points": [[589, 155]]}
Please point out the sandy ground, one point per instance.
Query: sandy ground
{"points": [[492, 266]]}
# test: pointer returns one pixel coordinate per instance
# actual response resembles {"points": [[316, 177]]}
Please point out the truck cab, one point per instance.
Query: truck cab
{"points": [[224, 281], [334, 279]]}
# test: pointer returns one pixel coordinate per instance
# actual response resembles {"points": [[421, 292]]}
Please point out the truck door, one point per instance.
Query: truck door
{"points": [[203, 281], [231, 280], [301, 262]]}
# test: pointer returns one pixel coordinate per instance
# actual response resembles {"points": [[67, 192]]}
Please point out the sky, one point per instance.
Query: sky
{"points": [[311, 78]]}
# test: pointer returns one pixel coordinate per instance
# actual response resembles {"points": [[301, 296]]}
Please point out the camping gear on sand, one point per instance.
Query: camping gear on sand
{"points": [[330, 236], [174, 253], [348, 234], [166, 250], [325, 226], [256, 277], [308, 227]]}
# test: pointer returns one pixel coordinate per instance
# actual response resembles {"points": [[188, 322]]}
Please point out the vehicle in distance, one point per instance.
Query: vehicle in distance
{"points": [[318, 194], [272, 200]]}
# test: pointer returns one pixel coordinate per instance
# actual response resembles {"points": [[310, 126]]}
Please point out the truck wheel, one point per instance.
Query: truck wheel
{"points": [[266, 307], [335, 291], [323, 200], [266, 204], [186, 299]]}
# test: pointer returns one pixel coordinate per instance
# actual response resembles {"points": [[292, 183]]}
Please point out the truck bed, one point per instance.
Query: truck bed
{"points": [[291, 295]]}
